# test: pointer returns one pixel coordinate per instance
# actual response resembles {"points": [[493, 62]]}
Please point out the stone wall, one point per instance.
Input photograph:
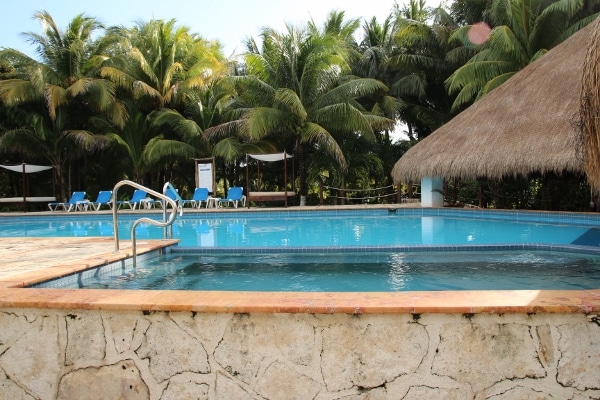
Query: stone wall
{"points": [[62, 354]]}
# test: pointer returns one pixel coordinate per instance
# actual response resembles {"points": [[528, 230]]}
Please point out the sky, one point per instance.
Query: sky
{"points": [[228, 21]]}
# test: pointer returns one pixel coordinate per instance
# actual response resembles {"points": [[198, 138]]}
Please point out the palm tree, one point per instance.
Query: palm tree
{"points": [[415, 10], [523, 31], [163, 70], [163, 61], [59, 93], [297, 95], [417, 69], [375, 52]]}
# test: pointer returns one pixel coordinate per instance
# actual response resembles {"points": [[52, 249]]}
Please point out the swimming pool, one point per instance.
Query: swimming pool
{"points": [[351, 250]]}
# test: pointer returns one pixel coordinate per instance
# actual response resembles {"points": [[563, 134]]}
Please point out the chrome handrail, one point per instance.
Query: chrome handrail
{"points": [[163, 224], [178, 200]]}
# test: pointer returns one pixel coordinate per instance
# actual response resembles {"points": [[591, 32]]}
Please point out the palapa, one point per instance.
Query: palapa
{"points": [[530, 124], [590, 109]]}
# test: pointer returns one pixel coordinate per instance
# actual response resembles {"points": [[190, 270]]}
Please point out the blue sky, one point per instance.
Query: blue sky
{"points": [[228, 21]]}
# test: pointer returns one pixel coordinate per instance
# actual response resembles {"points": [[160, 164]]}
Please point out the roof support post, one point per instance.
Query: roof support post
{"points": [[432, 192]]}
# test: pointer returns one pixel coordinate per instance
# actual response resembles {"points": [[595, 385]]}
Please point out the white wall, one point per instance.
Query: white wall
{"points": [[432, 192]]}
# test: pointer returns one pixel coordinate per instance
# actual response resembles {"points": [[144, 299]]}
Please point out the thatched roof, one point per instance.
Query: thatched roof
{"points": [[590, 109], [527, 125]]}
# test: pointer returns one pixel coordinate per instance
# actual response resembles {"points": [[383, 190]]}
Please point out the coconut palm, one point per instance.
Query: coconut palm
{"points": [[418, 68], [61, 92], [162, 62], [523, 31], [415, 10], [164, 69], [376, 49], [296, 94]]}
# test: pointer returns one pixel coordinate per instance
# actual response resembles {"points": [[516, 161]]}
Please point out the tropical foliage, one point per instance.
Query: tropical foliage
{"points": [[521, 32], [102, 104]]}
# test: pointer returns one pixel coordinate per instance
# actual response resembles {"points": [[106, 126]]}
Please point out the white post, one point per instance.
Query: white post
{"points": [[432, 192]]}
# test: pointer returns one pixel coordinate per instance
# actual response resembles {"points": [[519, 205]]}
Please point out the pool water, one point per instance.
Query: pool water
{"points": [[343, 272], [355, 250], [317, 229]]}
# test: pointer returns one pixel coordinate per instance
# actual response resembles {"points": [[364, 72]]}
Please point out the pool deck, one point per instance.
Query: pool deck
{"points": [[31, 260]]}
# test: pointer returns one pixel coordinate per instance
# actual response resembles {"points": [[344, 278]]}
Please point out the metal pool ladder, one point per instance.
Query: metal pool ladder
{"points": [[177, 208]]}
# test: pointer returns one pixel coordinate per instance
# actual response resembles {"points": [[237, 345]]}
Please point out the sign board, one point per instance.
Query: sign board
{"points": [[205, 173]]}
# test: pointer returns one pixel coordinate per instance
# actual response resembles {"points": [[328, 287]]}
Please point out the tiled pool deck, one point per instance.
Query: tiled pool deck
{"points": [[32, 260]]}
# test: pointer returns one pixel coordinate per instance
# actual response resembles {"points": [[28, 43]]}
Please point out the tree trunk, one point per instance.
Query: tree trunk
{"points": [[300, 154]]}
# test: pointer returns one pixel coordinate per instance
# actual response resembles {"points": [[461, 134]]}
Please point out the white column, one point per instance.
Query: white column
{"points": [[432, 192]]}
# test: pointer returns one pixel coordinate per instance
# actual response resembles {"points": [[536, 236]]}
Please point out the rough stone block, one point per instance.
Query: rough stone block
{"points": [[34, 361], [579, 365], [85, 339], [369, 350], [119, 381], [170, 350], [509, 352]]}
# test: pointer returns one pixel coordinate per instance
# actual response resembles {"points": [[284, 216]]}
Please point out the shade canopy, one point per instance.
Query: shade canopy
{"points": [[529, 124], [270, 157], [26, 168]]}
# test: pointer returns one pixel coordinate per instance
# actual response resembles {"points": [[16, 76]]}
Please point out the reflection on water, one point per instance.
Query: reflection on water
{"points": [[400, 276]]}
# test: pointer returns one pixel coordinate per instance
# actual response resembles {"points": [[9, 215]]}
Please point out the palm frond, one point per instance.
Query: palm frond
{"points": [[183, 127], [226, 129], [316, 134], [14, 92], [262, 121], [159, 149], [55, 97], [343, 118], [290, 102], [354, 88], [411, 85], [466, 95], [119, 77], [229, 149]]}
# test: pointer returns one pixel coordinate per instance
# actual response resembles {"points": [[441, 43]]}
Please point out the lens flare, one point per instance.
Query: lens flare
{"points": [[479, 33]]}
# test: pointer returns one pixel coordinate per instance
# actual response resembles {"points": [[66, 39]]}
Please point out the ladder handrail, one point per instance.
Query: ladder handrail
{"points": [[179, 202], [163, 224]]}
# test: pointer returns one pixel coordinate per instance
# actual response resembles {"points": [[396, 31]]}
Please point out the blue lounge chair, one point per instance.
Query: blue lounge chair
{"points": [[104, 199], [235, 195], [200, 195], [139, 196], [173, 194], [69, 205]]}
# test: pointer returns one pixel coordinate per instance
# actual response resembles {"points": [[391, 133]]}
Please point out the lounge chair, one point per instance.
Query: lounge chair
{"points": [[138, 198], [104, 199], [200, 195], [173, 194], [69, 205], [235, 195]]}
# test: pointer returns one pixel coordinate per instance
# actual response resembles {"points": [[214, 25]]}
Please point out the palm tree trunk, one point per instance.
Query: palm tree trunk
{"points": [[300, 152]]}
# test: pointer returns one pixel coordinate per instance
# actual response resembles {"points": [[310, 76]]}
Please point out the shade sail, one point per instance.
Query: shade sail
{"points": [[270, 157], [27, 168]]}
